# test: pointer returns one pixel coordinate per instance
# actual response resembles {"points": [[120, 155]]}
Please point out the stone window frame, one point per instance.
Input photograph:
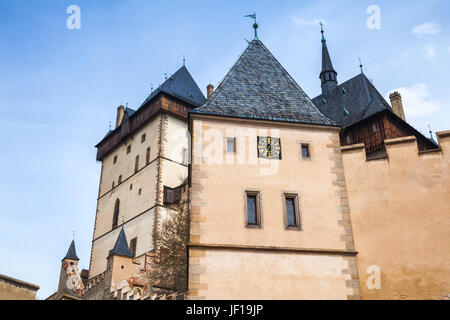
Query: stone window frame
{"points": [[310, 150], [259, 216], [297, 205], [143, 137]]}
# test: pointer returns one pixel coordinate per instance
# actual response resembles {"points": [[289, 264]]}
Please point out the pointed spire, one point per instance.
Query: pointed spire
{"points": [[328, 76], [71, 253], [121, 247]]}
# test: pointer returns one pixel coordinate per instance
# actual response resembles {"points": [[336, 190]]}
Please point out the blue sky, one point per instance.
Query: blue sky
{"points": [[59, 89]]}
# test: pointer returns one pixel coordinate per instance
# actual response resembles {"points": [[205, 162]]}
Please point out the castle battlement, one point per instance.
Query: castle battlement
{"points": [[401, 148]]}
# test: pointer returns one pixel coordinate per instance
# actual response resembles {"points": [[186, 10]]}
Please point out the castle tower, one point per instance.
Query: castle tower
{"points": [[144, 158], [328, 76], [69, 278], [269, 213]]}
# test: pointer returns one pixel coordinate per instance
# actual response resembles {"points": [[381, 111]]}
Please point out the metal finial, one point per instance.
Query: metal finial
{"points": [[322, 31], [184, 60], [361, 66], [165, 75], [126, 104], [123, 219], [109, 125], [431, 132], [255, 25], [73, 235], [151, 87]]}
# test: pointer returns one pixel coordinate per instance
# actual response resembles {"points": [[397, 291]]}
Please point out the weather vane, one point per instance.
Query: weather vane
{"points": [[321, 30], [255, 25]]}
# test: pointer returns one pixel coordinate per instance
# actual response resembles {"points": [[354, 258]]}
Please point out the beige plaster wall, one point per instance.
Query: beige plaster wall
{"points": [[12, 289], [253, 275], [140, 227], [218, 190], [400, 209], [218, 217]]}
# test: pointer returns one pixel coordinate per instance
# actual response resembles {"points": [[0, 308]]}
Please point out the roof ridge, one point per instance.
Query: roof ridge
{"points": [[231, 71]]}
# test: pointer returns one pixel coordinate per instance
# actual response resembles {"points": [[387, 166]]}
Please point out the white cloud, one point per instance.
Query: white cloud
{"points": [[430, 51], [416, 100], [300, 22], [426, 29]]}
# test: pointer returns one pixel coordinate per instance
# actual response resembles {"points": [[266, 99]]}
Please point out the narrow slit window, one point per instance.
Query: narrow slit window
{"points": [[120, 179], [292, 212], [147, 156], [231, 145], [143, 138], [136, 165], [305, 151], [129, 149], [374, 128], [253, 210], [348, 139], [115, 160], [133, 244]]}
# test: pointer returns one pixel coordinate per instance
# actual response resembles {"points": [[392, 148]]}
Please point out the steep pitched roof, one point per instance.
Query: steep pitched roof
{"points": [[121, 247], [71, 253], [258, 87], [327, 66], [180, 85], [352, 101]]}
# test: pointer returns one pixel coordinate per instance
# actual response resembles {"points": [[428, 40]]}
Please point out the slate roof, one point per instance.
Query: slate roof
{"points": [[352, 101], [71, 253], [180, 85], [258, 87], [121, 247]]}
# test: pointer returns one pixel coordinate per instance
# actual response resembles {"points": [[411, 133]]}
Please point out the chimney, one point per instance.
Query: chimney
{"points": [[120, 114], [209, 90], [397, 105]]}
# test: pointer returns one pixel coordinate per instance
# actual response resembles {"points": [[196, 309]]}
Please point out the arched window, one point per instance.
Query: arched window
{"points": [[116, 213]]}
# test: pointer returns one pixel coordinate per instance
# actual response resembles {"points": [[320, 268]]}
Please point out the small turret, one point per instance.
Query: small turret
{"points": [[328, 76], [69, 278]]}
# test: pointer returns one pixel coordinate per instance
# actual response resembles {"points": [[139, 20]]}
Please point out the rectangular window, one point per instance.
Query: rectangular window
{"points": [[113, 184], [147, 156], [133, 244], [305, 151], [231, 145], [115, 160], [292, 212], [143, 138], [129, 149], [120, 179], [136, 165], [253, 209]]}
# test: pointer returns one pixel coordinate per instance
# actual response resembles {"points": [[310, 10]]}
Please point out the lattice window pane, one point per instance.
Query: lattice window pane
{"points": [[290, 212], [251, 210]]}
